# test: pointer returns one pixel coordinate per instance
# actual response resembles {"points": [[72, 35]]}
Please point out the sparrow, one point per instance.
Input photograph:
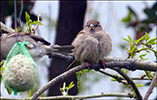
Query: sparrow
{"points": [[92, 44], [37, 47]]}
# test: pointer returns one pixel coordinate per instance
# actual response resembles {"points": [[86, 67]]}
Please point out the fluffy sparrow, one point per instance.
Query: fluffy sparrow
{"points": [[92, 44], [37, 47]]}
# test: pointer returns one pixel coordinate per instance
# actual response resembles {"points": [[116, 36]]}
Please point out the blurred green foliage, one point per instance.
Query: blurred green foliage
{"points": [[140, 26]]}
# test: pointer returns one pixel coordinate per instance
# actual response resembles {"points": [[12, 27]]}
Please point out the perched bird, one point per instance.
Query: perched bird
{"points": [[37, 47], [92, 44]]}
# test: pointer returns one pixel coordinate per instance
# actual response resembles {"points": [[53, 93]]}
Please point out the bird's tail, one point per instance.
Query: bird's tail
{"points": [[73, 64], [63, 49]]}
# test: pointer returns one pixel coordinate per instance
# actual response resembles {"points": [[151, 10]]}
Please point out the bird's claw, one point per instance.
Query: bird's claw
{"points": [[102, 63], [87, 64]]}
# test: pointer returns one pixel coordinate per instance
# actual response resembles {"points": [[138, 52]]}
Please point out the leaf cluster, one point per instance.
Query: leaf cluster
{"points": [[29, 23], [144, 42], [138, 46], [64, 90]]}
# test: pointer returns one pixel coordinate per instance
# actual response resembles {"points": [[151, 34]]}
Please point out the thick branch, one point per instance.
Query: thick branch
{"points": [[136, 64], [131, 64]]}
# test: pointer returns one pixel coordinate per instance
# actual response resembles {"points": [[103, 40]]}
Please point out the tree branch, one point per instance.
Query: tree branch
{"points": [[79, 97], [139, 97], [131, 64], [152, 85], [67, 58], [140, 64], [120, 78], [76, 69], [4, 28], [56, 80]]}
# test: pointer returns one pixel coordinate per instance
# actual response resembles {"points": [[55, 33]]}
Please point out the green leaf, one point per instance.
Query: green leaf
{"points": [[132, 55], [8, 90], [61, 89], [132, 12], [134, 94], [143, 54], [152, 41], [71, 85], [30, 21], [135, 41], [147, 51], [149, 75], [132, 47], [143, 49], [132, 89], [123, 69], [64, 85], [139, 85], [0, 78], [29, 95], [128, 50], [37, 23], [142, 38], [113, 79], [130, 38], [133, 50], [17, 29], [130, 44], [126, 71], [1, 65], [128, 18], [126, 39], [147, 37], [27, 16]]}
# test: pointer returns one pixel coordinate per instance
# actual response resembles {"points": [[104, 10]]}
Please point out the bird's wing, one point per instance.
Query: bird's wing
{"points": [[63, 49], [38, 38]]}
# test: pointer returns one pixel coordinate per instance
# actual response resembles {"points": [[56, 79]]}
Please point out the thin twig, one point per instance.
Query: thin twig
{"points": [[117, 77], [120, 79], [152, 85], [5, 29], [79, 97], [36, 27]]}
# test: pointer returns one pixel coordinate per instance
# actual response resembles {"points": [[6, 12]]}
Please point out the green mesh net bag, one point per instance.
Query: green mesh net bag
{"points": [[20, 71]]}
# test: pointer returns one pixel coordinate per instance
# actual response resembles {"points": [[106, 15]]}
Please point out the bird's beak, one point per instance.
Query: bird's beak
{"points": [[91, 27]]}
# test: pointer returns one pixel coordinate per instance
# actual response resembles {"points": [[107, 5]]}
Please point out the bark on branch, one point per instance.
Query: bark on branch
{"points": [[79, 97], [131, 64]]}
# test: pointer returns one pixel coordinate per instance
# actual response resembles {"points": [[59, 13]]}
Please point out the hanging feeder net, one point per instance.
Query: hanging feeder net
{"points": [[20, 71]]}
